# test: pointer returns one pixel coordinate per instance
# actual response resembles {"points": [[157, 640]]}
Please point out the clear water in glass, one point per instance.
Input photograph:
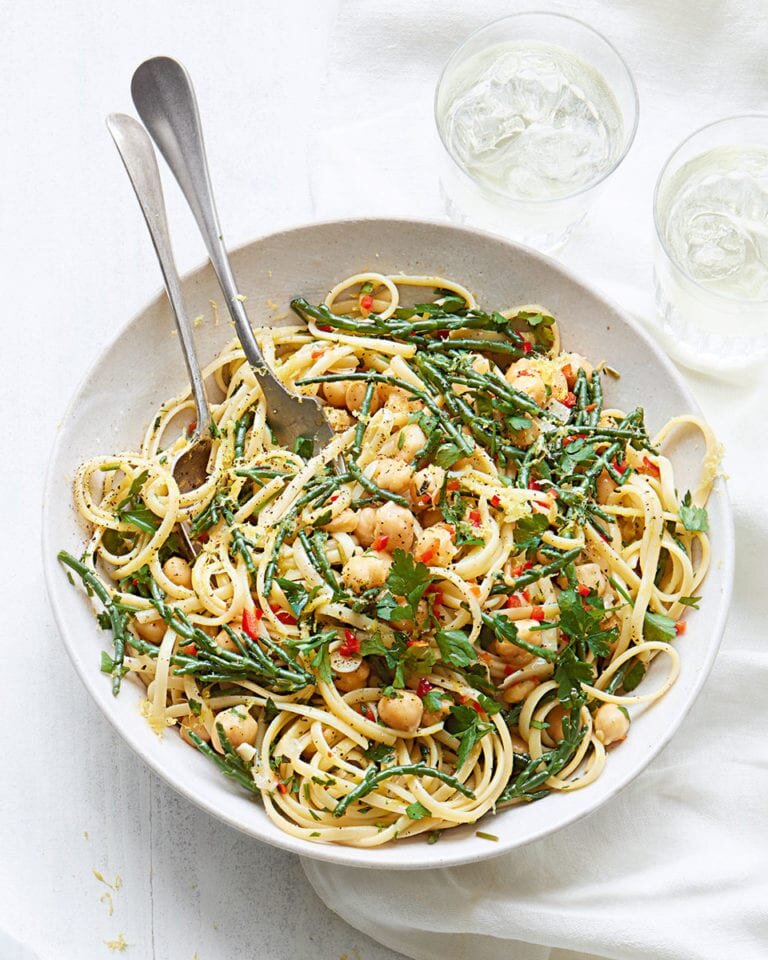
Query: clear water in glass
{"points": [[711, 263], [715, 219], [531, 120]]}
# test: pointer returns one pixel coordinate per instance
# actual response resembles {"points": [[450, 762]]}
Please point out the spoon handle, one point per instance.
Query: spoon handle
{"points": [[135, 149], [165, 100]]}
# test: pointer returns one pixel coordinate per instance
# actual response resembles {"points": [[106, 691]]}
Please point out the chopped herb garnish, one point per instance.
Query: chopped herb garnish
{"points": [[658, 626], [417, 811], [297, 594], [465, 724], [691, 602], [633, 677], [304, 445], [408, 579], [455, 648], [693, 518], [379, 753], [447, 455], [435, 699]]}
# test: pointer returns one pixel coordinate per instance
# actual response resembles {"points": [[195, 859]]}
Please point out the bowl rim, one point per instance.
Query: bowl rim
{"points": [[337, 853]]}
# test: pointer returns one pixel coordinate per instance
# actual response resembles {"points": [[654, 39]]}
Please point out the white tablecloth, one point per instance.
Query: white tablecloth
{"points": [[311, 111]]}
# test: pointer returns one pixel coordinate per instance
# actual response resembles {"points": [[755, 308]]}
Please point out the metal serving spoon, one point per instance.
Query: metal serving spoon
{"points": [[165, 100], [135, 149]]}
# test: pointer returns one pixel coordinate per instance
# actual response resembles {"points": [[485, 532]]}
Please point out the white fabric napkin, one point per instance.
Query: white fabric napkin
{"points": [[675, 867]]}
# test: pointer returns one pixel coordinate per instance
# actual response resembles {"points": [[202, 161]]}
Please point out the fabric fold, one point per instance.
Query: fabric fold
{"points": [[671, 869]]}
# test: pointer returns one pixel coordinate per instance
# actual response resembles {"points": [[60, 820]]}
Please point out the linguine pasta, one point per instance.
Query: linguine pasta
{"points": [[448, 610]]}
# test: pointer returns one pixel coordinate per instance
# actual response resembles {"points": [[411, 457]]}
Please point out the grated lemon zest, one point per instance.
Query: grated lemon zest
{"points": [[158, 724], [118, 945]]}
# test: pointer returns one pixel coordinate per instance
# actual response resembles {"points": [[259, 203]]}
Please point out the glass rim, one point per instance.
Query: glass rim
{"points": [[544, 14], [659, 233]]}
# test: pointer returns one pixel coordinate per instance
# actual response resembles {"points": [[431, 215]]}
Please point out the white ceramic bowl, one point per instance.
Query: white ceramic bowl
{"points": [[143, 366]]}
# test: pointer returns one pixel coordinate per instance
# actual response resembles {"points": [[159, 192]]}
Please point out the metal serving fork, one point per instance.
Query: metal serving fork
{"points": [[135, 149], [165, 100]]}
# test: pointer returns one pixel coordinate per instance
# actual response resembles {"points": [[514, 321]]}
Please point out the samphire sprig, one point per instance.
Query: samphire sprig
{"points": [[230, 764], [414, 324], [317, 492], [529, 782], [373, 777], [117, 614], [453, 432], [209, 663]]}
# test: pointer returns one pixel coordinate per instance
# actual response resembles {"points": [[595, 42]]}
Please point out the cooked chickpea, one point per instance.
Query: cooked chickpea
{"points": [[435, 716], [481, 365], [523, 365], [339, 419], [354, 680], [392, 474], [611, 724], [605, 486], [152, 631], [436, 544], [345, 522], [335, 393], [590, 575], [559, 385], [366, 520], [426, 486], [555, 720], [223, 640], [527, 372], [178, 571], [409, 441], [397, 399], [196, 726], [356, 394], [512, 654], [530, 383], [571, 363], [527, 437], [401, 712], [396, 524], [359, 573], [517, 692], [238, 726], [430, 517]]}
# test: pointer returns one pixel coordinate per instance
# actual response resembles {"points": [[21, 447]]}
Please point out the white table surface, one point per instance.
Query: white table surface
{"points": [[278, 85]]}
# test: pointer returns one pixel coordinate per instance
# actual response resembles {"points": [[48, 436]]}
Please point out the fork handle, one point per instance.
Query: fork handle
{"points": [[135, 149]]}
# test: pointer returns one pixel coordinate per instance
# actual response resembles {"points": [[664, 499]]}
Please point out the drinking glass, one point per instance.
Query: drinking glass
{"points": [[711, 262], [535, 111]]}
